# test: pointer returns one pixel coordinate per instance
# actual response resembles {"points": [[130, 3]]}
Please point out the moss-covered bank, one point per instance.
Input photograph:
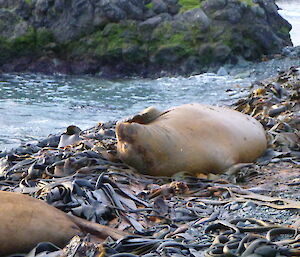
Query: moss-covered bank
{"points": [[138, 37]]}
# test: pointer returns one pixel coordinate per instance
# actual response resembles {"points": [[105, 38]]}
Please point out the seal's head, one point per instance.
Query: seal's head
{"points": [[128, 136], [135, 139]]}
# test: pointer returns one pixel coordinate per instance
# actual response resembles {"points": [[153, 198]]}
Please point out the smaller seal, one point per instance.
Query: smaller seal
{"points": [[26, 221]]}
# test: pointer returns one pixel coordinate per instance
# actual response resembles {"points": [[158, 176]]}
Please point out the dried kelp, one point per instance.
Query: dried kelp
{"points": [[178, 216]]}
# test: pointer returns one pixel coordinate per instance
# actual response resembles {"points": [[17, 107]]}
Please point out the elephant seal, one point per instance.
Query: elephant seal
{"points": [[26, 221], [195, 138]]}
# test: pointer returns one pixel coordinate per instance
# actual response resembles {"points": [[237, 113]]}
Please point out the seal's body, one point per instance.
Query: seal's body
{"points": [[26, 221], [194, 138]]}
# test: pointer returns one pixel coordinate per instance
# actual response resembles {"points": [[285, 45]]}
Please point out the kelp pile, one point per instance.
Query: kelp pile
{"points": [[177, 216], [275, 103]]}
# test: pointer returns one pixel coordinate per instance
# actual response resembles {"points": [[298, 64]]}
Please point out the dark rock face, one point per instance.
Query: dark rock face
{"points": [[136, 37]]}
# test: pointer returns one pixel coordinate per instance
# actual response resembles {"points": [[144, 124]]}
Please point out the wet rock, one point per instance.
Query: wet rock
{"points": [[192, 63], [77, 28], [168, 55], [222, 72], [293, 52]]}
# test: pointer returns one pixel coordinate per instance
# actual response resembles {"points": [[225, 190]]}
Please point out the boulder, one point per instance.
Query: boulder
{"points": [[195, 17], [11, 25], [159, 6], [129, 35]]}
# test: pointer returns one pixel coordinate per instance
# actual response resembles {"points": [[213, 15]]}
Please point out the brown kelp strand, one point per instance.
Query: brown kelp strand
{"points": [[253, 210]]}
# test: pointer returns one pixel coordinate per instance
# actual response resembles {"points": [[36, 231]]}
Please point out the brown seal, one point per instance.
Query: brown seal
{"points": [[26, 221], [195, 138]]}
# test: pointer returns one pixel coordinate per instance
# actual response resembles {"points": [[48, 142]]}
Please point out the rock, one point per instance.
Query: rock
{"points": [[196, 17], [222, 72], [168, 55], [173, 6], [133, 9], [159, 6], [269, 6], [221, 52], [233, 14], [151, 23], [194, 39], [11, 26], [133, 54], [192, 65], [205, 53], [9, 4], [211, 5], [293, 52], [41, 6], [258, 11], [59, 6]]}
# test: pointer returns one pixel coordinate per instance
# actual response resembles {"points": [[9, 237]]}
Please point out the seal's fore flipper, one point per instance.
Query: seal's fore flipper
{"points": [[146, 116]]}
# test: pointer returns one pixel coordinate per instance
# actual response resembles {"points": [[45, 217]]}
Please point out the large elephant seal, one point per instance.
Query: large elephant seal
{"points": [[26, 221], [195, 138]]}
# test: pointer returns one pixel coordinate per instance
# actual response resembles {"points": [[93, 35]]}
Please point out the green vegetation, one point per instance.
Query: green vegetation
{"points": [[247, 2], [115, 41], [284, 30], [29, 2], [28, 44], [172, 40], [169, 45], [149, 5], [4, 49], [25, 44], [206, 54], [189, 4], [124, 41]]}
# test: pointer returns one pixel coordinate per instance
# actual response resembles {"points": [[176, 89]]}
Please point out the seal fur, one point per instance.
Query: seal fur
{"points": [[195, 138], [26, 221]]}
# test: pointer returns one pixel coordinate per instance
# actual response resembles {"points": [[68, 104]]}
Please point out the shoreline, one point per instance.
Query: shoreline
{"points": [[288, 56], [245, 74]]}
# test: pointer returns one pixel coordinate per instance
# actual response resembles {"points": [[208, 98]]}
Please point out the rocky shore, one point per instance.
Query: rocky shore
{"points": [[136, 37], [256, 204]]}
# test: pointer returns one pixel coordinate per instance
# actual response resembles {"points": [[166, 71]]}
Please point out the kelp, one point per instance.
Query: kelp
{"points": [[171, 216]]}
